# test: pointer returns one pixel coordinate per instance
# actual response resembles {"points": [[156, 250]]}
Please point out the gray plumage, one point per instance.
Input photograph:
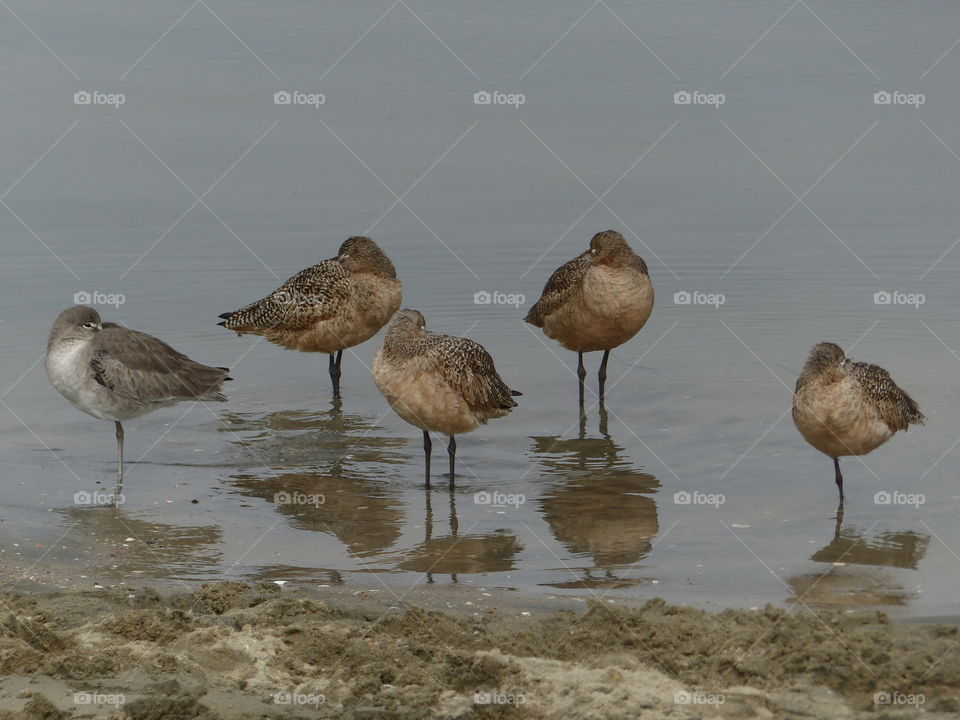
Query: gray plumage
{"points": [[114, 373]]}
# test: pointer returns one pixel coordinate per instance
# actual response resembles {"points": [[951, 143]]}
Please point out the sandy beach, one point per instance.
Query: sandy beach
{"points": [[238, 651]]}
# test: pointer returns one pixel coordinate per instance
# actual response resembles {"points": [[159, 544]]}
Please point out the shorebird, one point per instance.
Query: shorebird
{"points": [[437, 382], [843, 407], [114, 373], [597, 301], [329, 307]]}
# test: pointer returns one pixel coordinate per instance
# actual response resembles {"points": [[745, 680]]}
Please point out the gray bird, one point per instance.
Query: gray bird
{"points": [[114, 373]]}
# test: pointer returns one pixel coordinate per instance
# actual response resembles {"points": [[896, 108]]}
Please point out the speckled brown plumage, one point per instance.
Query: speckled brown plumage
{"points": [[329, 307], [438, 382], [843, 407], [597, 301]]}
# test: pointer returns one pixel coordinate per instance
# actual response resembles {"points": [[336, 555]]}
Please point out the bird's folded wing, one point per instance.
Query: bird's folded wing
{"points": [[565, 280], [309, 296], [146, 369], [469, 369], [896, 407]]}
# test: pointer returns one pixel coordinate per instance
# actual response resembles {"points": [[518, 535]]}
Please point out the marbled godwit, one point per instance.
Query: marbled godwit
{"points": [[329, 307], [438, 382], [114, 373], [843, 407], [597, 301]]}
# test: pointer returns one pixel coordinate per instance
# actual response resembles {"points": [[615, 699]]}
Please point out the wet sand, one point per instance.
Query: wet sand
{"points": [[238, 650]]}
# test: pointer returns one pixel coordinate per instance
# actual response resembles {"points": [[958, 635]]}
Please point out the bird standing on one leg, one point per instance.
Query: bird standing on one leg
{"points": [[843, 407], [114, 373], [329, 307], [597, 301], [438, 382]]}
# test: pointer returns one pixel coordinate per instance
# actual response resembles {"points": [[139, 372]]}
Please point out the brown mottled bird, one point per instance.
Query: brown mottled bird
{"points": [[332, 306], [597, 301], [843, 407], [114, 373], [438, 382]]}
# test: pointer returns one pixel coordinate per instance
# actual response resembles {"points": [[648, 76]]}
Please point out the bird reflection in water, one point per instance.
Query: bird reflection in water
{"points": [[599, 508], [457, 554], [117, 545], [292, 438], [347, 497], [865, 585]]}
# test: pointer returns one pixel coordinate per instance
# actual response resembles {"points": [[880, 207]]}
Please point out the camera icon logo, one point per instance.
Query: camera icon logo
{"points": [[482, 498], [282, 498], [682, 97], [482, 698], [282, 98], [682, 697], [82, 98], [682, 298], [82, 298], [482, 97], [882, 497], [881, 698], [882, 98], [482, 297], [882, 297], [682, 498], [82, 497]]}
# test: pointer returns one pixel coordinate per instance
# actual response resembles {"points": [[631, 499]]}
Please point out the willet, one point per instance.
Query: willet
{"points": [[329, 307], [114, 373], [438, 382], [597, 301], [843, 407]]}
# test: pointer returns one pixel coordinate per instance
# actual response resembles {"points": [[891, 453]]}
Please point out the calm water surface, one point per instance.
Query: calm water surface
{"points": [[796, 200]]}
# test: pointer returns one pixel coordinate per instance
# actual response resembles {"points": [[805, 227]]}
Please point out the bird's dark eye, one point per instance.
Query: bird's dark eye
{"points": [[89, 325]]}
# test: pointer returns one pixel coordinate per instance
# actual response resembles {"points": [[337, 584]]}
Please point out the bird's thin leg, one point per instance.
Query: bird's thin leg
{"points": [[452, 452], [335, 372], [119, 428], [602, 375], [427, 447], [581, 374], [838, 477], [837, 527]]}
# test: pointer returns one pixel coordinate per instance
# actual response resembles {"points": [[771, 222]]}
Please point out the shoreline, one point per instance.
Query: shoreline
{"points": [[253, 650]]}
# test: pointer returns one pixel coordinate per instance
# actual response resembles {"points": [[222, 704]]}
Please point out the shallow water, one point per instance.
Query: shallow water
{"points": [[491, 199]]}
